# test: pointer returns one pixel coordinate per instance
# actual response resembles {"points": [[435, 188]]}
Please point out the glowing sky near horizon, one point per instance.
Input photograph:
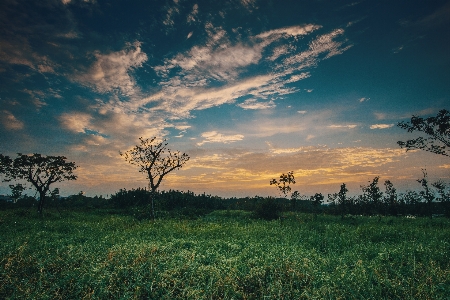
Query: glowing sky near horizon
{"points": [[249, 89]]}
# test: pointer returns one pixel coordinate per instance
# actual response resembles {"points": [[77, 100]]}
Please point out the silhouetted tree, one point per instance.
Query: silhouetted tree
{"points": [[295, 196], [16, 191], [444, 196], [41, 171], [283, 184], [317, 200], [427, 193], [373, 195], [437, 128], [155, 160], [390, 199], [341, 200]]}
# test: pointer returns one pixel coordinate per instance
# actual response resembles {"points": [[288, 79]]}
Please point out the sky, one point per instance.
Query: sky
{"points": [[249, 89]]}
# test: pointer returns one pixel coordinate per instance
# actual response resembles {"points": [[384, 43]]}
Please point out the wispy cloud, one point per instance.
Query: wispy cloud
{"points": [[192, 17], [292, 31], [381, 126], [171, 11], [10, 122], [255, 104], [110, 72], [215, 73], [348, 126], [76, 122], [215, 137]]}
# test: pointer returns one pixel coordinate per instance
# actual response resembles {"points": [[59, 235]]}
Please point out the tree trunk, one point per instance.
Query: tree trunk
{"points": [[41, 202], [152, 199]]}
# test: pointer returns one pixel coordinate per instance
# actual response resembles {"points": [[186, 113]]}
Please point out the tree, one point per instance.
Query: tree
{"points": [[444, 195], [391, 197], [373, 194], [16, 191], [437, 128], [41, 171], [341, 200], [427, 193], [155, 160], [317, 200], [283, 184]]}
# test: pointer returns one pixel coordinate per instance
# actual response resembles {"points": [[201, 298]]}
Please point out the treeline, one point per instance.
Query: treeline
{"points": [[434, 199]]}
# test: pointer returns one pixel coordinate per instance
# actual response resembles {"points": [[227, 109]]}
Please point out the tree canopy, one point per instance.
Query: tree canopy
{"points": [[155, 160], [40, 170], [436, 128]]}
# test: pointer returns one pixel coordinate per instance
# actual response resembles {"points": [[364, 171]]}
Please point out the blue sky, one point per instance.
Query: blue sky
{"points": [[249, 89]]}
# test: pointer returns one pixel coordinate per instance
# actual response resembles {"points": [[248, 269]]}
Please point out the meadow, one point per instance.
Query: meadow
{"points": [[106, 254]]}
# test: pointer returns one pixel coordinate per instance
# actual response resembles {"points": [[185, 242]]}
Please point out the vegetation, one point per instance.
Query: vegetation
{"points": [[41, 171], [207, 247], [437, 130], [283, 183], [222, 255], [155, 160]]}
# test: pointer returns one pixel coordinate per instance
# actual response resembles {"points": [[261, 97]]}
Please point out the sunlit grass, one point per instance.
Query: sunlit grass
{"points": [[224, 255]]}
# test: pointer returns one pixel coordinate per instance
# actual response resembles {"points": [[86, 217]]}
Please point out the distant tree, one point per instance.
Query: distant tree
{"points": [[427, 193], [341, 200], [295, 196], [437, 128], [317, 200], [373, 194], [391, 197], [16, 191], [156, 161], [444, 195], [41, 171], [283, 184]]}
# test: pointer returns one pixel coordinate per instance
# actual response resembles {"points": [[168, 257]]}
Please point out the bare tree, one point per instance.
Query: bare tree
{"points": [[41, 171], [436, 128], [156, 161], [283, 184]]}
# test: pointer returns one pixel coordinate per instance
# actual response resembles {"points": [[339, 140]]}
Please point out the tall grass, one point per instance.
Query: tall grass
{"points": [[223, 255]]}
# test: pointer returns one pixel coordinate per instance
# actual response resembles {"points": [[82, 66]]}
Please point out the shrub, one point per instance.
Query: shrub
{"points": [[268, 209]]}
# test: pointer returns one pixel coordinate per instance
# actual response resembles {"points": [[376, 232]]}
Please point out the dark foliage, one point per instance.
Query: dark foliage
{"points": [[268, 209], [437, 130]]}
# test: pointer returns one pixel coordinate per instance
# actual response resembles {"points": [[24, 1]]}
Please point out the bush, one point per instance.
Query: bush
{"points": [[268, 209]]}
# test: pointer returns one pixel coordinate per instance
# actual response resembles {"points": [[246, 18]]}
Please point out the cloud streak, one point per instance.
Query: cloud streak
{"points": [[215, 137], [110, 72]]}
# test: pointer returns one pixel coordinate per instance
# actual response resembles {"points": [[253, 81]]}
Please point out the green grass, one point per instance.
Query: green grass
{"points": [[223, 255]]}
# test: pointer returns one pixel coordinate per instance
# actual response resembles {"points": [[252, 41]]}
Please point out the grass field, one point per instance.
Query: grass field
{"points": [[223, 255]]}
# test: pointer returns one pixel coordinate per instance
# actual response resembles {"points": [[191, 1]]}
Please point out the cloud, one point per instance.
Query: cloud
{"points": [[302, 112], [10, 122], [216, 73], [301, 76], [76, 122], [218, 60], [181, 101], [364, 100], [349, 126], [110, 72], [254, 104], [19, 52], [381, 126], [172, 11], [250, 5], [215, 137], [292, 31], [193, 15]]}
